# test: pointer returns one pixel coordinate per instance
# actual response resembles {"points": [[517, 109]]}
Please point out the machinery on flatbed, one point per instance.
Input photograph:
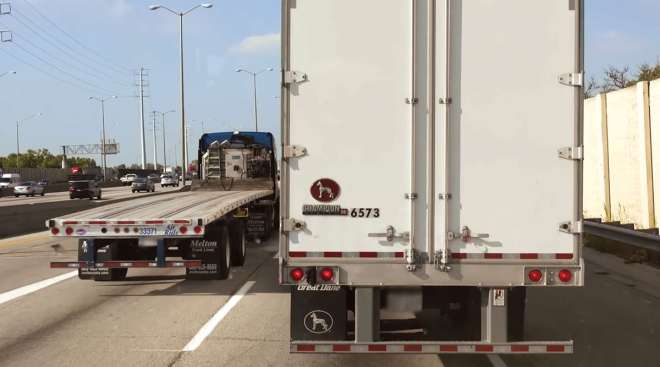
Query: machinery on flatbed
{"points": [[205, 226]]}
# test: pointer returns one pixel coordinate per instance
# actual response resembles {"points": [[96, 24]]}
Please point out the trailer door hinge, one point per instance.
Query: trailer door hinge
{"points": [[294, 151], [294, 77], [292, 225], [412, 101], [572, 227], [572, 153], [572, 79]]}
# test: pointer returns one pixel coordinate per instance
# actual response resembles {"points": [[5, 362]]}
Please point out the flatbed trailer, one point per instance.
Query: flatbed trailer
{"points": [[206, 226]]}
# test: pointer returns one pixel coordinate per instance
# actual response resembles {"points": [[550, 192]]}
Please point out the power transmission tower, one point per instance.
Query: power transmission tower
{"points": [[142, 77]]}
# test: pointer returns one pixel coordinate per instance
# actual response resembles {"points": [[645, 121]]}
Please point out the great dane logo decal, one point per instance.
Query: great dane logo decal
{"points": [[319, 322], [325, 190]]}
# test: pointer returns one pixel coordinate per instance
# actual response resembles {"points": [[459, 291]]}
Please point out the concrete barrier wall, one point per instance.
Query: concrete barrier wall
{"points": [[53, 174], [622, 137]]}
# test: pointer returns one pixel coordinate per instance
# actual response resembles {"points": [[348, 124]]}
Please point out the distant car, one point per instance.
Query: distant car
{"points": [[169, 180], [29, 188], [84, 189], [143, 184], [127, 179]]}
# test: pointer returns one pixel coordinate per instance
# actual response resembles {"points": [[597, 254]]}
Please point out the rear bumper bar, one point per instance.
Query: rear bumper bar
{"points": [[125, 264], [433, 347]]}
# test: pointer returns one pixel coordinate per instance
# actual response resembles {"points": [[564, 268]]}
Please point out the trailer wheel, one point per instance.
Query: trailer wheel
{"points": [[516, 313], [237, 242], [224, 258]]}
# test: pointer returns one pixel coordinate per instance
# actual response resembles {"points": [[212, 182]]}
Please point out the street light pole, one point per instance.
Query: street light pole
{"points": [[182, 92], [103, 150], [163, 114], [254, 89]]}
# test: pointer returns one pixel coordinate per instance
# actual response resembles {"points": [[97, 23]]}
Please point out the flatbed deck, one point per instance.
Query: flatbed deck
{"points": [[195, 208]]}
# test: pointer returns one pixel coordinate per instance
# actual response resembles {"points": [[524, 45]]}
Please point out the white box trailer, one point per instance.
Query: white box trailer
{"points": [[431, 163]]}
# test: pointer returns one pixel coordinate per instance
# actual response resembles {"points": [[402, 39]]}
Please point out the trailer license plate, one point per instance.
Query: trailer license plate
{"points": [[148, 231]]}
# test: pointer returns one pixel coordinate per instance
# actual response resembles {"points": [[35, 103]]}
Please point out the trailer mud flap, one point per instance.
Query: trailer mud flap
{"points": [[318, 312], [211, 251]]}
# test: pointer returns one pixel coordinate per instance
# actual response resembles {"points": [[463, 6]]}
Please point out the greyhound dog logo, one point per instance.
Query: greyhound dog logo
{"points": [[325, 190], [319, 322]]}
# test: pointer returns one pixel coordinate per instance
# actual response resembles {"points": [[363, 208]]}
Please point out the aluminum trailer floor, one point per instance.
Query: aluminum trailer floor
{"points": [[199, 207]]}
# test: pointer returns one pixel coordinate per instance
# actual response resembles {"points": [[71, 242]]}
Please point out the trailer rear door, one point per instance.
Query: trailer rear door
{"points": [[351, 116]]}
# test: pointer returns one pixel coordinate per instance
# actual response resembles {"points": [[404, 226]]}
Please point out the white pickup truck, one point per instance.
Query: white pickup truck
{"points": [[431, 171]]}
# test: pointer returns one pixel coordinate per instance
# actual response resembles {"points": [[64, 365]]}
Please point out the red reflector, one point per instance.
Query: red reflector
{"points": [[332, 254], [327, 274], [535, 275], [297, 254], [297, 274], [529, 256], [483, 348], [398, 254], [555, 348], [520, 348], [378, 348], [198, 229], [54, 230], [563, 256], [368, 254], [449, 348], [341, 348], [306, 348], [493, 256], [154, 222], [183, 230], [412, 348], [69, 222], [69, 231], [181, 221], [565, 276]]}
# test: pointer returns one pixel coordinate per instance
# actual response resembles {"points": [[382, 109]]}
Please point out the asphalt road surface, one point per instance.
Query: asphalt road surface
{"points": [[51, 318], [109, 193]]}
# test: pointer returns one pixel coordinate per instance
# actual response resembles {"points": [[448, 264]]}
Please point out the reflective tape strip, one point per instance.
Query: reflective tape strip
{"points": [[126, 264], [335, 254], [502, 256], [435, 348]]}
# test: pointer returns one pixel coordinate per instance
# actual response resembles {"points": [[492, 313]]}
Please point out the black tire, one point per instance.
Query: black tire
{"points": [[133, 191], [224, 255], [237, 242], [43, 193], [517, 299], [17, 195], [71, 197], [99, 197]]}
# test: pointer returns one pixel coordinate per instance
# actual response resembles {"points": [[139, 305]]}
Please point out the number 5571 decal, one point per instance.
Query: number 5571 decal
{"points": [[365, 213]]}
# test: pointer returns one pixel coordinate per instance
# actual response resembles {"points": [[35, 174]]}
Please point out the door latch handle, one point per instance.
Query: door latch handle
{"points": [[467, 235], [390, 235]]}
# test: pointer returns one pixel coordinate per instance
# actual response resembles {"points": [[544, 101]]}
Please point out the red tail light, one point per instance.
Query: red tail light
{"points": [[183, 230], [55, 230], [69, 231], [327, 274], [565, 276], [297, 274], [198, 229], [535, 275]]}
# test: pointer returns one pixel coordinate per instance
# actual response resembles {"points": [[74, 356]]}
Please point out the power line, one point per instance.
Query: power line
{"points": [[39, 69], [61, 60], [72, 54], [98, 55], [64, 71]]}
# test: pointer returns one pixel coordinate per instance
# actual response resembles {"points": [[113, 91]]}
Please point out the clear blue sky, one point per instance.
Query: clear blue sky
{"points": [[230, 35]]}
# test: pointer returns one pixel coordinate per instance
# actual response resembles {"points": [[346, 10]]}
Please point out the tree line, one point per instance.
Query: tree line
{"points": [[615, 78], [42, 158]]}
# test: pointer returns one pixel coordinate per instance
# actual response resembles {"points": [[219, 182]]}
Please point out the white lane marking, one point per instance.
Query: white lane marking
{"points": [[210, 325], [31, 288], [496, 360]]}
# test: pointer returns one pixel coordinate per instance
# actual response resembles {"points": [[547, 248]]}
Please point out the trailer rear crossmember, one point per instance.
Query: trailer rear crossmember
{"points": [[434, 348], [125, 264]]}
